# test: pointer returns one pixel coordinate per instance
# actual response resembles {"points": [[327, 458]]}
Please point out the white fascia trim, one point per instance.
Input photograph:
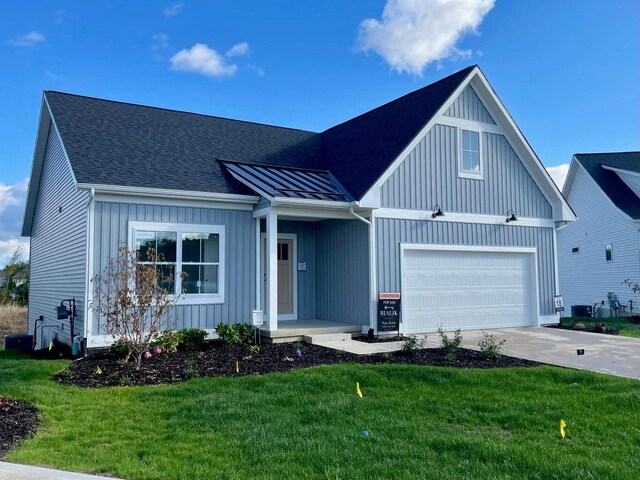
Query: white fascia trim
{"points": [[621, 170], [309, 202], [399, 213], [308, 213], [523, 149], [173, 202], [173, 194], [66, 156], [371, 198]]}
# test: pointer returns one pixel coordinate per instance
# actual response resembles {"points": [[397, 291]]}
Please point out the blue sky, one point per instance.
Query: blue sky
{"points": [[567, 71]]}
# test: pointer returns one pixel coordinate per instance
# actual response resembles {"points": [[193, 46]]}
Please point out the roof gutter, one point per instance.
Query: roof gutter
{"points": [[359, 217]]}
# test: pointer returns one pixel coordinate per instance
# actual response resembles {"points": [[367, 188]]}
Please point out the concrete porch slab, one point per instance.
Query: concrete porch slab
{"points": [[295, 330]]}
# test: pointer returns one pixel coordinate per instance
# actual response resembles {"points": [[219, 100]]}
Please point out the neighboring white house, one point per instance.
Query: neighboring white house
{"points": [[602, 249]]}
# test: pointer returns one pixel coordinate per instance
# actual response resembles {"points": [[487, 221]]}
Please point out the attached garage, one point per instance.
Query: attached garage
{"points": [[467, 287]]}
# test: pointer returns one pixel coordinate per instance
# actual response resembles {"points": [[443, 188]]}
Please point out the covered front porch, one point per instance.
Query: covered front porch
{"points": [[313, 252]]}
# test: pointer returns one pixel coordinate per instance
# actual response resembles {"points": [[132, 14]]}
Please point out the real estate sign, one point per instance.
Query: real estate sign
{"points": [[388, 312]]}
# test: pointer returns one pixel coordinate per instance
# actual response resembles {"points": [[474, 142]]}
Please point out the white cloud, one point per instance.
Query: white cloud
{"points": [[559, 174], [202, 59], [173, 10], [238, 49], [414, 33], [12, 204], [28, 39]]}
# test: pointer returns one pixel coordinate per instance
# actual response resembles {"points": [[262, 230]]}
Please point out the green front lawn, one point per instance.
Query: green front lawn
{"points": [[424, 422], [622, 324]]}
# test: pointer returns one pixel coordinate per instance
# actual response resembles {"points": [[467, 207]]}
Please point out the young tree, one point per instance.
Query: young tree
{"points": [[131, 302], [16, 288]]}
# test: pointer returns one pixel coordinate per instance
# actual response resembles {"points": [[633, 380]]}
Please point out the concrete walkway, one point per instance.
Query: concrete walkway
{"points": [[611, 354], [14, 471]]}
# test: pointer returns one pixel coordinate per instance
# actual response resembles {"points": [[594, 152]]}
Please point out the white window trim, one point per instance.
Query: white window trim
{"points": [[465, 173], [180, 228]]}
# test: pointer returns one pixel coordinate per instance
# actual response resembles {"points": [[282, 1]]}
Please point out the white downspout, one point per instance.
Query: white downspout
{"points": [[373, 281], [88, 310]]}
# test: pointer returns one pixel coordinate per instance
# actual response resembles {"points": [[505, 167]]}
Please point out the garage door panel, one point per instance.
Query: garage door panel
{"points": [[467, 289]]}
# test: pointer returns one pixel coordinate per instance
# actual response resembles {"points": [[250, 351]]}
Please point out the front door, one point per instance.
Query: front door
{"points": [[286, 277]]}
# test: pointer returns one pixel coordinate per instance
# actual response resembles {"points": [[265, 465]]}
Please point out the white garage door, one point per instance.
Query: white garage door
{"points": [[467, 289]]}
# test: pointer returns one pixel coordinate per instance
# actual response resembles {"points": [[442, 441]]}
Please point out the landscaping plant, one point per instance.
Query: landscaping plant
{"points": [[130, 301], [168, 341], [450, 345], [412, 343], [490, 346], [192, 338], [236, 333]]}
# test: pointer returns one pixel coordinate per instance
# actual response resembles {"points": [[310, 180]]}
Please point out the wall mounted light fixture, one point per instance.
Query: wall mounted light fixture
{"points": [[437, 211], [511, 217]]}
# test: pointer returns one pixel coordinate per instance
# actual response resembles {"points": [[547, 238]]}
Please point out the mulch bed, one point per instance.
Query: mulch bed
{"points": [[380, 339], [18, 421], [102, 370]]}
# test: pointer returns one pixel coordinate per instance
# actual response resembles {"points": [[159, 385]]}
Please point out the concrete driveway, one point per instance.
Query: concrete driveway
{"points": [[602, 353]]}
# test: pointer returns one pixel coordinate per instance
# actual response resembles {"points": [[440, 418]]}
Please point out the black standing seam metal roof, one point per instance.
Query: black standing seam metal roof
{"points": [[609, 182], [287, 182], [114, 143]]}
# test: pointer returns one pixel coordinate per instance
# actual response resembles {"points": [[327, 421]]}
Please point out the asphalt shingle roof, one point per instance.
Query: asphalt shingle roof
{"points": [[611, 184], [114, 143]]}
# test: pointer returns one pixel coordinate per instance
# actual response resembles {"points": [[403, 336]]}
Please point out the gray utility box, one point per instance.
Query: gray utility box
{"points": [[18, 342]]}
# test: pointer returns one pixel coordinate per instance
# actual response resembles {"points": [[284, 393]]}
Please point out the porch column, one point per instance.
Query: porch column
{"points": [[272, 270]]}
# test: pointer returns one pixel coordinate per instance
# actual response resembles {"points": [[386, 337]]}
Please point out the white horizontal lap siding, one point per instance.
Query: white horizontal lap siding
{"points": [[586, 277], [392, 233], [112, 228], [58, 245], [467, 287]]}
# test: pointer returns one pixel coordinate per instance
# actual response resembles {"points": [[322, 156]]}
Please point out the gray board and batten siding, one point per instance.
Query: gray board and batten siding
{"points": [[57, 246], [335, 285], [111, 229], [469, 107], [391, 233], [429, 176]]}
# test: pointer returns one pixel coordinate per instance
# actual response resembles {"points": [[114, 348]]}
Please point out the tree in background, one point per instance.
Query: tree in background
{"points": [[16, 288]]}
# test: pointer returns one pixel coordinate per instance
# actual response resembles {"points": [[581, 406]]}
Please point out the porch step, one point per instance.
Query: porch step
{"points": [[316, 339], [296, 331]]}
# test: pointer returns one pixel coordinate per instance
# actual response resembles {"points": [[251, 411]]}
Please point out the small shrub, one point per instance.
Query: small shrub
{"points": [[580, 326], [412, 343], [192, 338], [490, 346], [450, 345], [120, 349], [235, 333], [168, 341], [254, 348], [190, 370], [388, 357], [125, 381]]}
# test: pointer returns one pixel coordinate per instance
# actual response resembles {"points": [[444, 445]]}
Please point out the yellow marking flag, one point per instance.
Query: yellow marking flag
{"points": [[98, 371], [562, 425], [237, 367], [358, 391], [51, 345]]}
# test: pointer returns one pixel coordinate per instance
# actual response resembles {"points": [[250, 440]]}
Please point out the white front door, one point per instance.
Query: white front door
{"points": [[287, 291]]}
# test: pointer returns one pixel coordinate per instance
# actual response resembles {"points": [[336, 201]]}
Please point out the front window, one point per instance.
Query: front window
{"points": [[608, 253], [190, 258], [470, 159]]}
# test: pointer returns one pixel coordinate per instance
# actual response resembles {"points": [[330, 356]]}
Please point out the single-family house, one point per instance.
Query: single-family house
{"points": [[436, 195], [601, 250]]}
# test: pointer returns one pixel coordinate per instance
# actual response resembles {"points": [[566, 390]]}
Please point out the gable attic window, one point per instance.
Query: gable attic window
{"points": [[608, 254], [470, 160], [191, 258]]}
